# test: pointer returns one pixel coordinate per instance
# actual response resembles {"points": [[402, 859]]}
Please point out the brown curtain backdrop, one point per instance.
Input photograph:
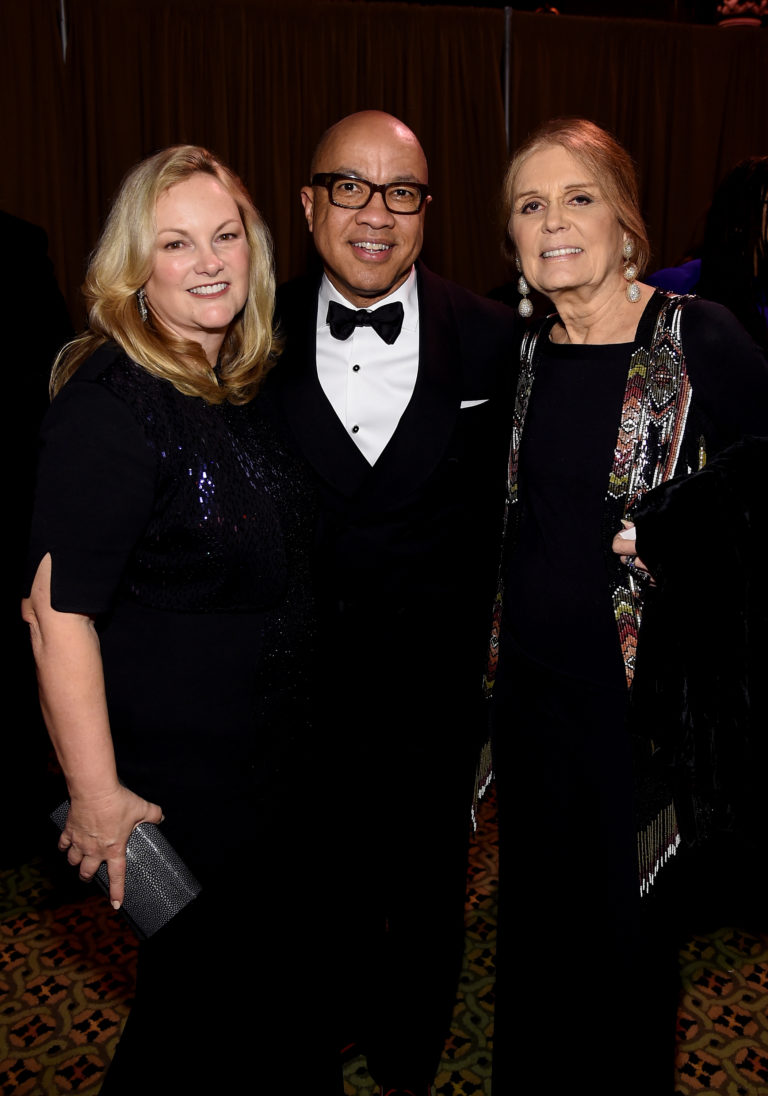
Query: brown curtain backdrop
{"points": [[34, 146], [258, 81]]}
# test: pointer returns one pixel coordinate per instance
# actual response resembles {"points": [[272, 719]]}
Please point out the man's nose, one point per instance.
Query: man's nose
{"points": [[375, 213]]}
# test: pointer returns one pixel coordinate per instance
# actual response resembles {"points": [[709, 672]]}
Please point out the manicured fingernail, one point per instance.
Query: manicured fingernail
{"points": [[115, 905]]}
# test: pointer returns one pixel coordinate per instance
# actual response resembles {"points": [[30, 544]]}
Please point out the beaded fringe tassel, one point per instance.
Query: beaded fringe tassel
{"points": [[656, 845], [483, 778]]}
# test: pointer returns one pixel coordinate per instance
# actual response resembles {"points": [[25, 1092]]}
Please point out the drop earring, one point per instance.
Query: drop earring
{"points": [[141, 301], [525, 308], [630, 273]]}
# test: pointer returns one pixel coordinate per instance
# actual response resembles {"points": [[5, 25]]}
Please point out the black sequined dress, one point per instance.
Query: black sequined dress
{"points": [[184, 529]]}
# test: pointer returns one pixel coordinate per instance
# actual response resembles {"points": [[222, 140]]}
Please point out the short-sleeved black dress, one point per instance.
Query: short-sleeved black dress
{"points": [[184, 529]]}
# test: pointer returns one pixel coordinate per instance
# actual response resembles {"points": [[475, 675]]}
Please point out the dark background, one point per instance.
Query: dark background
{"points": [[258, 81]]}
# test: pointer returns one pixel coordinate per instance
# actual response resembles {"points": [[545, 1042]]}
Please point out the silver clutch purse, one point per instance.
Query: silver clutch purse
{"points": [[158, 884]]}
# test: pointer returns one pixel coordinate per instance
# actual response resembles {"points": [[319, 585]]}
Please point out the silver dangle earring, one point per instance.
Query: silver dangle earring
{"points": [[525, 308], [630, 273], [141, 300]]}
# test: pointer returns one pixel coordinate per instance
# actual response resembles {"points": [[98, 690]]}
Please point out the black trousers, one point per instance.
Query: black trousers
{"points": [[404, 711], [586, 971]]}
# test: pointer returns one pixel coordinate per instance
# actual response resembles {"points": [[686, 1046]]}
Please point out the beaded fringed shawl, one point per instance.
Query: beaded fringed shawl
{"points": [[649, 450]]}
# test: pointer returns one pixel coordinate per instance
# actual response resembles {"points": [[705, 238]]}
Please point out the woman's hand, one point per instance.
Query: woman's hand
{"points": [[97, 829], [70, 677], [624, 545]]}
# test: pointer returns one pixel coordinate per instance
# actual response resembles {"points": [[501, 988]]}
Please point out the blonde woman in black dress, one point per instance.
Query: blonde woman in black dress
{"points": [[171, 618]]}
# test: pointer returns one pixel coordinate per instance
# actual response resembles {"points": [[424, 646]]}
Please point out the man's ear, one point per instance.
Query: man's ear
{"points": [[308, 201]]}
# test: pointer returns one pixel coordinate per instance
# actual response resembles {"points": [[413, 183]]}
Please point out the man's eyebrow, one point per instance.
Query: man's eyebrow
{"points": [[352, 173]]}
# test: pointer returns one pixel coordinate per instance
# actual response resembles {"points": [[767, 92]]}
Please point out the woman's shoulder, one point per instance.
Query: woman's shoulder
{"points": [[699, 310], [696, 311], [707, 327], [110, 394], [728, 370], [110, 366], [111, 377]]}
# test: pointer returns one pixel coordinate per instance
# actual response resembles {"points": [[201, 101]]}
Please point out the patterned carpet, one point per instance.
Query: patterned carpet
{"points": [[67, 969], [723, 1015]]}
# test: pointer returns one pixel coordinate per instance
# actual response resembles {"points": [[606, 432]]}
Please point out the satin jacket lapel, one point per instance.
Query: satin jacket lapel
{"points": [[426, 426], [318, 429]]}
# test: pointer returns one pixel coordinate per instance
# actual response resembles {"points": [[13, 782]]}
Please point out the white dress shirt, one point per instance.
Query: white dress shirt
{"points": [[368, 383]]}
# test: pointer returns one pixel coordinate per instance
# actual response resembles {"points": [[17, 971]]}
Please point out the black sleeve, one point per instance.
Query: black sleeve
{"points": [[728, 371], [704, 641], [719, 509], [94, 496]]}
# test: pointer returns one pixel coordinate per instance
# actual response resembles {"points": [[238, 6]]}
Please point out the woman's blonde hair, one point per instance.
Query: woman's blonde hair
{"points": [[122, 262], [610, 165]]}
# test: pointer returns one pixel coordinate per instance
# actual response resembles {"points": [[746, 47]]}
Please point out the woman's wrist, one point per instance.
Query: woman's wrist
{"points": [[92, 793]]}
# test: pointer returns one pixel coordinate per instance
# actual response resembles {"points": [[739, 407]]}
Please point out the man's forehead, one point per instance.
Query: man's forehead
{"points": [[377, 152]]}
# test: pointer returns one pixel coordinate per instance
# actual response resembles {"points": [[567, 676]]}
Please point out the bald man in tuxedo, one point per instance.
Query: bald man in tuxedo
{"points": [[395, 384]]}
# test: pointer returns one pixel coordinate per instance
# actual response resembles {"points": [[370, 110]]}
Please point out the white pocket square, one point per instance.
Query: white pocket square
{"points": [[472, 403]]}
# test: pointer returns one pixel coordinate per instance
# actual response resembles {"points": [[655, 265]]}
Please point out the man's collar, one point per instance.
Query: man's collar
{"points": [[407, 294]]}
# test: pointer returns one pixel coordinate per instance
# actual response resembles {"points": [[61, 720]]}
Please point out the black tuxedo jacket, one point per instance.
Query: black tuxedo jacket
{"points": [[415, 537]]}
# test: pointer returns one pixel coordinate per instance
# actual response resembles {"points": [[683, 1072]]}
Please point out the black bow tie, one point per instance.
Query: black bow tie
{"points": [[386, 321]]}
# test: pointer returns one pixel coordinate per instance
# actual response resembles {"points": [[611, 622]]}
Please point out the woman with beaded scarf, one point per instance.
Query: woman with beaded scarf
{"points": [[170, 609], [620, 389]]}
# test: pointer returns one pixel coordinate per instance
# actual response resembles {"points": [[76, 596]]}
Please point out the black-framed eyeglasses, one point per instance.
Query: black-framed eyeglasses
{"points": [[351, 192]]}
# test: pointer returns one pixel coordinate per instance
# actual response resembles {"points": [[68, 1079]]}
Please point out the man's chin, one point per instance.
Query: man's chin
{"points": [[368, 294]]}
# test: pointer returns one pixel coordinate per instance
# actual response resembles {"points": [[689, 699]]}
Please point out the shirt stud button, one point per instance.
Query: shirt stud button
{"points": [[355, 429]]}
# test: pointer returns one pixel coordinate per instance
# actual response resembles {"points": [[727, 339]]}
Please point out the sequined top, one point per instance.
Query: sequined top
{"points": [[184, 529], [156, 497]]}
